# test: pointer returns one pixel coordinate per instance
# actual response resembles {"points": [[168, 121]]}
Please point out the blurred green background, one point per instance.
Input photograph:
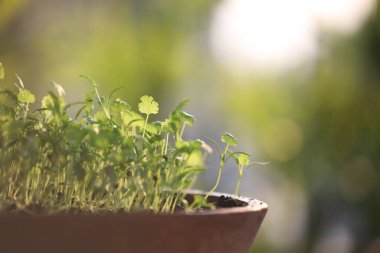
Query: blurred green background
{"points": [[297, 83]]}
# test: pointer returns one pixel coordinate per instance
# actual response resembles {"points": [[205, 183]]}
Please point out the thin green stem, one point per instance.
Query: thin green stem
{"points": [[182, 131], [146, 122], [238, 183], [101, 103], [166, 143], [26, 111], [221, 165], [217, 182]]}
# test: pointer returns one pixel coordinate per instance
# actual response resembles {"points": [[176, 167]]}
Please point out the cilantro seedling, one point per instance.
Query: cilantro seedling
{"points": [[229, 140], [147, 106], [105, 157]]}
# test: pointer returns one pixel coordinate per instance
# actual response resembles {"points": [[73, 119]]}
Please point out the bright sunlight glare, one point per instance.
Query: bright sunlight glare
{"points": [[255, 35]]}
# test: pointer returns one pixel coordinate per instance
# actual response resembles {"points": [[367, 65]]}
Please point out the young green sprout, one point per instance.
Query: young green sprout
{"points": [[103, 158], [243, 162], [24, 96], [188, 119], [147, 106], [229, 140], [99, 98]]}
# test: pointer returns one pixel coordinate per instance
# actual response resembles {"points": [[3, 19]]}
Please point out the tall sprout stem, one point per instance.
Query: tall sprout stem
{"points": [[101, 103], [239, 181], [146, 122], [26, 110], [221, 165], [166, 143], [217, 182], [182, 130]]}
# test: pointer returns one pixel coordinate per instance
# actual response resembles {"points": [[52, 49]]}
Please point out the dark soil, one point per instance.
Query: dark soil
{"points": [[226, 201]]}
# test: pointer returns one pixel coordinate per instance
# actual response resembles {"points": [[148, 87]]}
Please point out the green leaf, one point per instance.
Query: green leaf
{"points": [[129, 117], [174, 122], [75, 135], [243, 159], [215, 145], [53, 103], [201, 202], [89, 101], [195, 158], [110, 96], [188, 118], [181, 105], [117, 108], [148, 105], [6, 112], [47, 102], [121, 105], [25, 96], [191, 170], [188, 146], [2, 73], [235, 155], [165, 126], [92, 82], [229, 139], [12, 96], [100, 116]]}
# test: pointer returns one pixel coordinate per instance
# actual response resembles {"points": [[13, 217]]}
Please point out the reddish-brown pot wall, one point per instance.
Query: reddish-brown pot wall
{"points": [[221, 230]]}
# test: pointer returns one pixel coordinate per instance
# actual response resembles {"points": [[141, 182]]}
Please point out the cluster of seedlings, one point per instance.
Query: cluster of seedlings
{"points": [[106, 157]]}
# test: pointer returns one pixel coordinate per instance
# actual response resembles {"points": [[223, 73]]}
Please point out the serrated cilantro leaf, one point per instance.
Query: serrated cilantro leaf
{"points": [[25, 96], [148, 105]]}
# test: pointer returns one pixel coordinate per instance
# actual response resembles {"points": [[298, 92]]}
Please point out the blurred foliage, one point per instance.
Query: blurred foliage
{"points": [[9, 9], [140, 44]]}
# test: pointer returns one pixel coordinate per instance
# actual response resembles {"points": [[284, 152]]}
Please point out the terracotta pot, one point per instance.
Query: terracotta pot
{"points": [[221, 230]]}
